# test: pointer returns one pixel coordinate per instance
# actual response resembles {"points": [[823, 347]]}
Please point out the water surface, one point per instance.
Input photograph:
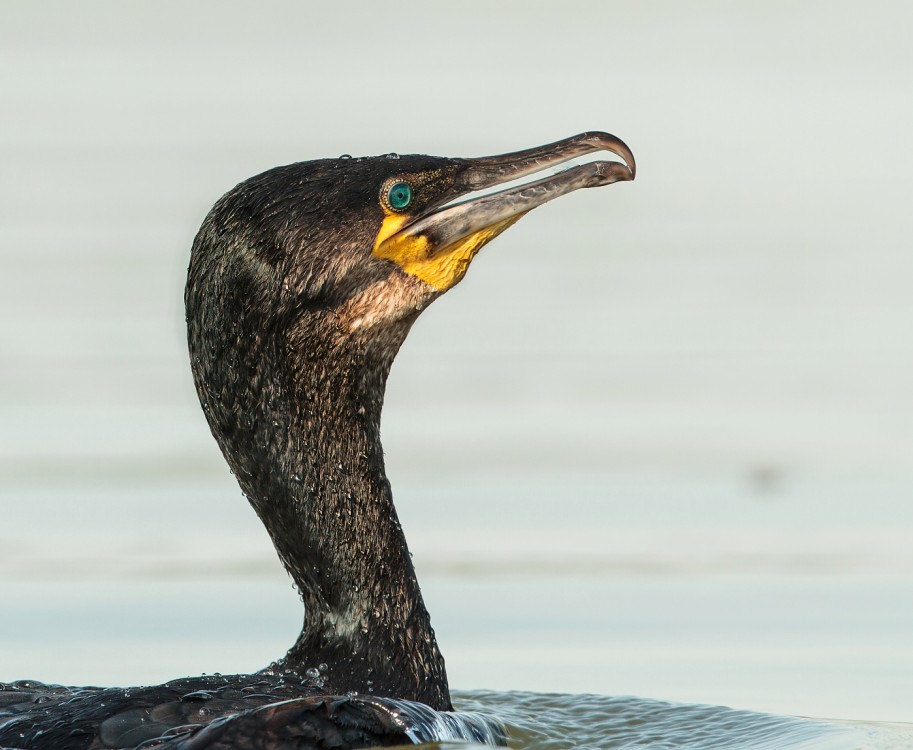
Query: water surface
{"points": [[542, 721]]}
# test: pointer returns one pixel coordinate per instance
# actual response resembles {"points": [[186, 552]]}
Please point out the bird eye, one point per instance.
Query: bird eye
{"points": [[399, 196]]}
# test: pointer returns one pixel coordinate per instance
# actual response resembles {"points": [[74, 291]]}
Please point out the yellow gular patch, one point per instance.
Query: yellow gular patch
{"points": [[441, 267]]}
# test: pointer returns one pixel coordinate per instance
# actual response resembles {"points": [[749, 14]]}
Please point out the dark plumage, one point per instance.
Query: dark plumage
{"points": [[279, 270], [303, 283]]}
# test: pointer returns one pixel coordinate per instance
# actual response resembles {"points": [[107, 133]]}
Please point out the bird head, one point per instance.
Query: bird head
{"points": [[307, 278], [356, 247]]}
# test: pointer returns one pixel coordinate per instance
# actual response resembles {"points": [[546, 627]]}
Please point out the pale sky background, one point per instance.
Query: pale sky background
{"points": [[709, 370]]}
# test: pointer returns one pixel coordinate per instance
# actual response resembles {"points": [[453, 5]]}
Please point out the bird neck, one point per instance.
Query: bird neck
{"points": [[319, 486]]}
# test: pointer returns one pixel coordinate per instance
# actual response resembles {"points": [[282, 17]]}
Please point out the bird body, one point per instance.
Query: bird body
{"points": [[303, 283]]}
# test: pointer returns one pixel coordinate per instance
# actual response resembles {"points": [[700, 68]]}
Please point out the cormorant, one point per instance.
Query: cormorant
{"points": [[302, 286]]}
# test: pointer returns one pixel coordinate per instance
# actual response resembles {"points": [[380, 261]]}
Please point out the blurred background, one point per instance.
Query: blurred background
{"points": [[658, 442]]}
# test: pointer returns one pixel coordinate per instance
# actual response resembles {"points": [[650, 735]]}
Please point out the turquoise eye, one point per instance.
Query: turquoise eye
{"points": [[399, 195]]}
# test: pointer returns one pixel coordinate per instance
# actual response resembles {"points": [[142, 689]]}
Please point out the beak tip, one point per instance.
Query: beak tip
{"points": [[614, 171], [612, 143]]}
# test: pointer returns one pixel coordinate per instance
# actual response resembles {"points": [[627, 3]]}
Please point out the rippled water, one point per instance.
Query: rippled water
{"points": [[553, 721]]}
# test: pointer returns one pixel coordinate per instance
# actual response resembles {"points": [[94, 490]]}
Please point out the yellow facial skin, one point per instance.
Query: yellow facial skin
{"points": [[440, 267]]}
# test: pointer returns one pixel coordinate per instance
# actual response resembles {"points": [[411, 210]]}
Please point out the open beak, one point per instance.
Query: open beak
{"points": [[438, 245]]}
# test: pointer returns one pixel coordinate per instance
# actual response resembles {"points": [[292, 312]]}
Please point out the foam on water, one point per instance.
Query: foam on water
{"points": [[425, 725]]}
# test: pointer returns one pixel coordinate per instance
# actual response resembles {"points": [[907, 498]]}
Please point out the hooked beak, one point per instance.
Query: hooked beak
{"points": [[451, 223], [439, 244], [492, 170]]}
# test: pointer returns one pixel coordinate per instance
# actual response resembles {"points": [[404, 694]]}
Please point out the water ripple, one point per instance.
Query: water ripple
{"points": [[543, 721]]}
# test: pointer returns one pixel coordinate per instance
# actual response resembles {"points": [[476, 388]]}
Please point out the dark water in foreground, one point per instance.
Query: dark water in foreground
{"points": [[551, 721]]}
